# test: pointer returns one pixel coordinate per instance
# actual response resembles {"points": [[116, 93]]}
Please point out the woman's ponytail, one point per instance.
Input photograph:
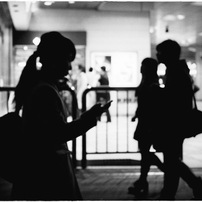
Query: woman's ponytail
{"points": [[28, 78]]}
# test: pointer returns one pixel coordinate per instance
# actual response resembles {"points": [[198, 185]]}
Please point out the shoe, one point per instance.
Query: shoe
{"points": [[197, 189], [140, 188]]}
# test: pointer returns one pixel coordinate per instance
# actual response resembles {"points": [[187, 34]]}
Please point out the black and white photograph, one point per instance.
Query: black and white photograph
{"points": [[100, 100]]}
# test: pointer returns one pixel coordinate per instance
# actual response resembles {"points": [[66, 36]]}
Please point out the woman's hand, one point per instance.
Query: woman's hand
{"points": [[97, 110]]}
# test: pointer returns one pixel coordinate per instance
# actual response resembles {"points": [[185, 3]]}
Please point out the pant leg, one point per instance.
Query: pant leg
{"points": [[172, 172], [144, 147]]}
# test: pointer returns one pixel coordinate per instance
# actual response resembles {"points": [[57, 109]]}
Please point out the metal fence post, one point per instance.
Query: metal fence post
{"points": [[84, 161]]}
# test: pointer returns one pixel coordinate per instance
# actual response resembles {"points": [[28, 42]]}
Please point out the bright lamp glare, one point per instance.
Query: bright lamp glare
{"points": [[48, 3], [36, 41]]}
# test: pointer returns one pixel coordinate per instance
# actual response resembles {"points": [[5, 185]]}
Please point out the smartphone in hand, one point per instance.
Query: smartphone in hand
{"points": [[107, 105]]}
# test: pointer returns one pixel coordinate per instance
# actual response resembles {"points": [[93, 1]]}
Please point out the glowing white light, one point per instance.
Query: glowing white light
{"points": [[21, 64], [48, 3], [180, 17], [38, 65], [192, 68], [161, 69], [36, 41], [169, 18], [71, 2], [1, 83], [69, 119], [25, 48]]}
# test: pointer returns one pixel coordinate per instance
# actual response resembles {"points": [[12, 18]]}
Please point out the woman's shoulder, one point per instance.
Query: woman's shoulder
{"points": [[46, 85], [43, 88]]}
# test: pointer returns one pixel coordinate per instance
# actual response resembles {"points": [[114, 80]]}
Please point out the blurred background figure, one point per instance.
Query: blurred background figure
{"points": [[66, 96], [81, 85], [92, 78], [104, 96]]}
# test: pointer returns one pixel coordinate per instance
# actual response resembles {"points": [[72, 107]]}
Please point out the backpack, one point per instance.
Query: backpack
{"points": [[10, 140]]}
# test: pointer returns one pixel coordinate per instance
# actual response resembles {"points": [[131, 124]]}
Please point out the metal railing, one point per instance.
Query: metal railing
{"points": [[117, 135], [122, 109]]}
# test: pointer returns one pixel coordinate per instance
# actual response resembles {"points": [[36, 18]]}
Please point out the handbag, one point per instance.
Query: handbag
{"points": [[194, 121], [10, 141]]}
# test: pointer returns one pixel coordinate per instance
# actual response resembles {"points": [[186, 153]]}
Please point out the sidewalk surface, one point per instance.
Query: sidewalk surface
{"points": [[111, 183]]}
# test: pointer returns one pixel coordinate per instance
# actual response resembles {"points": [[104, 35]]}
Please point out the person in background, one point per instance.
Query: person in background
{"points": [[45, 168], [92, 78], [65, 92], [81, 85], [102, 95], [147, 92], [177, 103]]}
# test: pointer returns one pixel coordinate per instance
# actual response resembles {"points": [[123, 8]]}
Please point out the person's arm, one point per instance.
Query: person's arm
{"points": [[50, 117]]}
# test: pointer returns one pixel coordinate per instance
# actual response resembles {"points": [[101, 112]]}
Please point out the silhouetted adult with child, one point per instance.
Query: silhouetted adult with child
{"points": [[146, 94], [46, 171], [177, 102]]}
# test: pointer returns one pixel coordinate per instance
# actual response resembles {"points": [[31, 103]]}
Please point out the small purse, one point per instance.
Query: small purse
{"points": [[194, 121], [10, 144]]}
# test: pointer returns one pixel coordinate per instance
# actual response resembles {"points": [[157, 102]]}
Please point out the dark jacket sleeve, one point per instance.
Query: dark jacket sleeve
{"points": [[44, 114]]}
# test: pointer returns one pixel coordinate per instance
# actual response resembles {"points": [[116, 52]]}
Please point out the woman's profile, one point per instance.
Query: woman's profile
{"points": [[46, 172]]}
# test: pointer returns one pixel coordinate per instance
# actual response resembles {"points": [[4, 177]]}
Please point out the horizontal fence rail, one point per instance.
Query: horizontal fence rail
{"points": [[115, 136]]}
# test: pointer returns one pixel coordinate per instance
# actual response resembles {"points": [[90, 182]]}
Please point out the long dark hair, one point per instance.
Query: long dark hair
{"points": [[28, 78], [52, 47]]}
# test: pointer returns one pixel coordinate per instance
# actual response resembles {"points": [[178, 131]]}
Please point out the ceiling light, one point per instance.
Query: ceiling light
{"points": [[169, 17], [180, 17], [71, 2], [48, 3]]}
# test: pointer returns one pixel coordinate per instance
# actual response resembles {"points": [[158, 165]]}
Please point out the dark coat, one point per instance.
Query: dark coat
{"points": [[175, 107], [46, 168], [147, 94]]}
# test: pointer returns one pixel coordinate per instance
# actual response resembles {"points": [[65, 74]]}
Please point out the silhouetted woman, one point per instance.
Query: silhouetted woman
{"points": [[45, 170], [146, 93]]}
